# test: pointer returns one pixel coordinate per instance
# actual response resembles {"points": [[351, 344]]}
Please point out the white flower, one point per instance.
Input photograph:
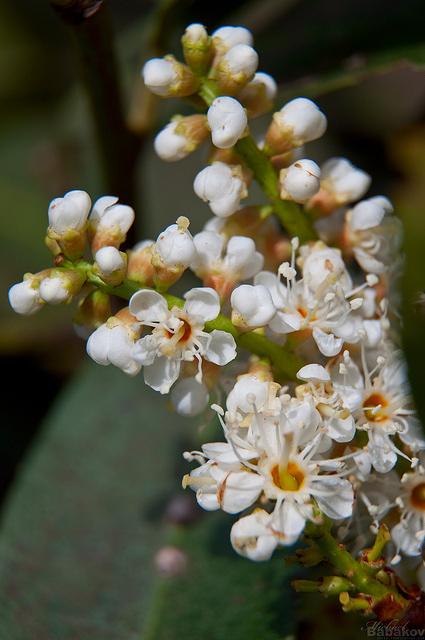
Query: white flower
{"points": [[24, 297], [345, 182], [252, 306], [374, 234], [222, 187], [300, 121], [109, 259], [228, 37], [300, 181], [409, 534], [69, 212], [253, 536], [189, 397], [175, 245], [381, 404], [178, 335], [227, 120], [222, 265], [114, 343]]}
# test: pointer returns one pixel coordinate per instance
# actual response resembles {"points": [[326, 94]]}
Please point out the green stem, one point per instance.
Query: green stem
{"points": [[359, 575], [285, 363], [290, 214]]}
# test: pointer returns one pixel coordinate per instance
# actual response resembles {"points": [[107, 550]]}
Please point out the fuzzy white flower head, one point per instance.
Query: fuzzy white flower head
{"points": [[169, 145], [218, 185], [69, 212], [159, 75], [252, 306], [175, 245], [24, 298], [300, 181], [346, 182], [227, 120], [178, 335], [241, 59], [253, 537], [232, 36], [109, 259], [189, 397], [54, 290], [303, 118], [114, 343]]}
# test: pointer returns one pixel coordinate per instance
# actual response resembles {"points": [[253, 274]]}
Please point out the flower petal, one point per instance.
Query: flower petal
{"points": [[222, 348], [202, 304], [162, 374], [148, 306]]}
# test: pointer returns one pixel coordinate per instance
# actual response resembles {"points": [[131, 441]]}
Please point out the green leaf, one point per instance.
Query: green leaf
{"points": [[85, 518]]}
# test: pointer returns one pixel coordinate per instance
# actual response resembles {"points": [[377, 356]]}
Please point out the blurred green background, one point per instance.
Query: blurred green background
{"points": [[87, 489]]}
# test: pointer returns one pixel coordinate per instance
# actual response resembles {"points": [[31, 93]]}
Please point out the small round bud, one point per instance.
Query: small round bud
{"points": [[300, 181], [113, 343], [175, 245], [227, 120], [220, 186], [24, 297], [369, 213], [236, 68], [54, 290], [180, 137], [109, 223], [139, 266], [258, 95], [197, 48], [252, 306], [298, 122], [225, 38], [341, 184], [167, 77], [69, 212], [109, 259]]}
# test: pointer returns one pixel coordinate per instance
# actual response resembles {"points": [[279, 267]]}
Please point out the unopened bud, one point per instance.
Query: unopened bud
{"points": [[300, 181], [109, 223], [93, 310], [252, 306], [24, 297], [225, 38], [258, 95], [298, 122], [139, 265], [67, 224], [180, 137], [167, 77], [227, 120], [197, 48], [60, 285], [111, 265], [341, 184], [222, 187], [173, 252], [236, 68]]}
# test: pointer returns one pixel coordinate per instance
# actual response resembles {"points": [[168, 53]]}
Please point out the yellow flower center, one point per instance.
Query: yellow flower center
{"points": [[289, 478]]}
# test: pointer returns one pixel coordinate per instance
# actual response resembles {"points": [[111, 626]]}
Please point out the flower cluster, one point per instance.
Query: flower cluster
{"points": [[319, 423]]}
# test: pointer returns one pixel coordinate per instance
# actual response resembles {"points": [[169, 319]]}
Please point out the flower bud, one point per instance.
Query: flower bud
{"points": [[173, 252], [236, 68], [225, 38], [258, 95], [252, 306], [67, 224], [341, 184], [93, 310], [113, 342], [109, 223], [222, 187], [227, 120], [60, 285], [24, 297], [197, 48], [368, 214], [298, 122], [180, 137], [189, 397], [111, 265], [300, 181], [139, 266], [167, 77]]}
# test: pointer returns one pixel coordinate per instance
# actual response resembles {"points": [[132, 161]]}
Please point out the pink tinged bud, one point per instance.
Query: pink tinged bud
{"points": [[252, 306], [69, 212], [300, 181], [227, 120], [24, 298]]}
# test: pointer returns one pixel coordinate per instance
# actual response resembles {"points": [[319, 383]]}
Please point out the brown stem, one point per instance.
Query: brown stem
{"points": [[118, 149]]}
